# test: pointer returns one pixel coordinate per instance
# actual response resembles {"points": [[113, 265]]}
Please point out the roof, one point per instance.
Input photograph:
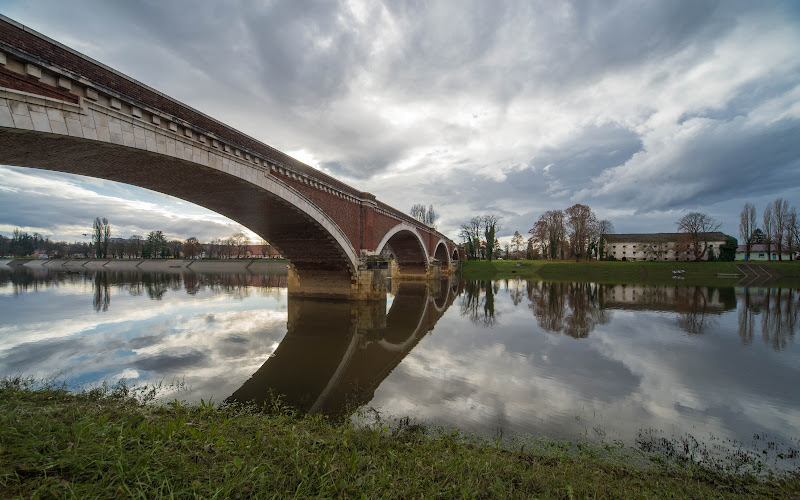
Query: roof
{"points": [[657, 237]]}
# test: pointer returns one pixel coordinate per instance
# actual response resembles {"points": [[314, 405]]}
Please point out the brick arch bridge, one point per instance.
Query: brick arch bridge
{"points": [[62, 111]]}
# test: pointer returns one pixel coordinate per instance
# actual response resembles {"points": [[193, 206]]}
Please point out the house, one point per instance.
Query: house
{"points": [[758, 251], [658, 246]]}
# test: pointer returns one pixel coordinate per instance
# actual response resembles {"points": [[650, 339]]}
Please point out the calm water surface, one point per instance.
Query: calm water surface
{"points": [[566, 360]]}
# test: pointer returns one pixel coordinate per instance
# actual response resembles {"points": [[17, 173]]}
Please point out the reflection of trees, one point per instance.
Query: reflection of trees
{"points": [[774, 310], [779, 318], [693, 306], [154, 284], [573, 309], [477, 302], [102, 296]]}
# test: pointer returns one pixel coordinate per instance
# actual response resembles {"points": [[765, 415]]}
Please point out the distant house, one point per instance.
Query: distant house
{"points": [[657, 246], [759, 252]]}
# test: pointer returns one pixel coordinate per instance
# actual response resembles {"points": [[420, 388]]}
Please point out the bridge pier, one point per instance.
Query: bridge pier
{"points": [[369, 283]]}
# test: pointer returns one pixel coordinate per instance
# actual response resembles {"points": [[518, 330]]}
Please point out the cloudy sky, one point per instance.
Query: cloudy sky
{"points": [[642, 110]]}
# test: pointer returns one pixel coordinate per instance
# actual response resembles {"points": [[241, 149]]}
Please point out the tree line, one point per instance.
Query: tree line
{"points": [[779, 229], [154, 246], [577, 233]]}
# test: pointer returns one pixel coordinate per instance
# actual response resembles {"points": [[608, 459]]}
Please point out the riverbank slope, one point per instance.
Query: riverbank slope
{"points": [[106, 443]]}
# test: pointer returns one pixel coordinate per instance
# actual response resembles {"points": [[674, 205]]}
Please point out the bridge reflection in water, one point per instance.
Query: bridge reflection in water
{"points": [[336, 353]]}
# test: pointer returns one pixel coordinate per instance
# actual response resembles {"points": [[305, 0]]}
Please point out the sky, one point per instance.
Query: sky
{"points": [[642, 110]]}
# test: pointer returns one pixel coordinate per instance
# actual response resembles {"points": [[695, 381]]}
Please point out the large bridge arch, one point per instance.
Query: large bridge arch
{"points": [[302, 232], [408, 248]]}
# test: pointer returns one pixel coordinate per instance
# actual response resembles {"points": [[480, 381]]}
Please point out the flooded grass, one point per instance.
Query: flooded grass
{"points": [[117, 441]]}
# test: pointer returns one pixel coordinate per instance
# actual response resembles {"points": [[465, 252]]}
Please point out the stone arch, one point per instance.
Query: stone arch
{"points": [[441, 254], [299, 229], [408, 248], [455, 254]]}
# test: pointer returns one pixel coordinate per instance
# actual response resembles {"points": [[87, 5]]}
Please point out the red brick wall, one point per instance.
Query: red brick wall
{"points": [[27, 83]]}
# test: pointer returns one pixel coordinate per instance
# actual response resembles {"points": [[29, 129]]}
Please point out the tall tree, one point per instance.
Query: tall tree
{"points": [[491, 224], [191, 248], [747, 226], [604, 227], [695, 228], [780, 211], [516, 242], [792, 232], [101, 235], [425, 215], [768, 229], [582, 225]]}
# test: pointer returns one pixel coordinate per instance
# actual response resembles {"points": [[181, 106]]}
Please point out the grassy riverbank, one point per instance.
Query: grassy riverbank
{"points": [[612, 272], [102, 444]]}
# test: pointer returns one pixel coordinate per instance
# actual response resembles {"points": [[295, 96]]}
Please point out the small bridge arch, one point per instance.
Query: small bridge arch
{"points": [[407, 247]]}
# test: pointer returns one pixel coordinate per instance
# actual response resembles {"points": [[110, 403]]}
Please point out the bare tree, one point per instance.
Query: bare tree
{"points": [[516, 242], [747, 226], [696, 227], [582, 225], [240, 243], [768, 229], [427, 215], [780, 211], [135, 243], [191, 248], [604, 227], [791, 235], [540, 236], [656, 250]]}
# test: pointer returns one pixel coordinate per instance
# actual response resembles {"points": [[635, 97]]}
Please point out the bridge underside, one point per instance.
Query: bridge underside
{"points": [[312, 251]]}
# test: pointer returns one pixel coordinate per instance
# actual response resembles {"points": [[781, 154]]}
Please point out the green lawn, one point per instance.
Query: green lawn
{"points": [[103, 444], [611, 272]]}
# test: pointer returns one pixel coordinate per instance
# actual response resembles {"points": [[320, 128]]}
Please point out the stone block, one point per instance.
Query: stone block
{"points": [[23, 121], [89, 133], [5, 117], [18, 108], [103, 133], [214, 143], [59, 127], [187, 132], [201, 138], [40, 122], [115, 103], [157, 119], [74, 127], [136, 112], [64, 83], [34, 71], [173, 126], [91, 94]]}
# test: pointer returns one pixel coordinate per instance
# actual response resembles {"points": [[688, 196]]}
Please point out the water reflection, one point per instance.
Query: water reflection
{"points": [[335, 354], [771, 312]]}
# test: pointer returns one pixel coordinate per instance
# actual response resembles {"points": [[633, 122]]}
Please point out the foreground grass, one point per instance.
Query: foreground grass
{"points": [[614, 272], [106, 444]]}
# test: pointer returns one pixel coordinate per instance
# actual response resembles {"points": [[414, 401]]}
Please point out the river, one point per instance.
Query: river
{"points": [[650, 366]]}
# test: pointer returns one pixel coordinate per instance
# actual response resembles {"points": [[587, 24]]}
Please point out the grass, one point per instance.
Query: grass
{"points": [[614, 272], [106, 443]]}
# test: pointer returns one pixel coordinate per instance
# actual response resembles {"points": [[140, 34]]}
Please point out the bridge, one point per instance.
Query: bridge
{"points": [[61, 110]]}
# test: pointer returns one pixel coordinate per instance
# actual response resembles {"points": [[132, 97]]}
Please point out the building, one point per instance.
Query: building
{"points": [[759, 252], [657, 246]]}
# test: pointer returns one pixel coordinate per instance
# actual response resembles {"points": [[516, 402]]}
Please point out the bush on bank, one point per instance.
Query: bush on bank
{"points": [[105, 443]]}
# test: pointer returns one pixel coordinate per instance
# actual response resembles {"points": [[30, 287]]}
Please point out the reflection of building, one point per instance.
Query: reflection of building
{"points": [[657, 246], [336, 353], [666, 298]]}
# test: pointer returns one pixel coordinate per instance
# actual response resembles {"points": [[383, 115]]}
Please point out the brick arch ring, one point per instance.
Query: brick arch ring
{"points": [[408, 248], [442, 256]]}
